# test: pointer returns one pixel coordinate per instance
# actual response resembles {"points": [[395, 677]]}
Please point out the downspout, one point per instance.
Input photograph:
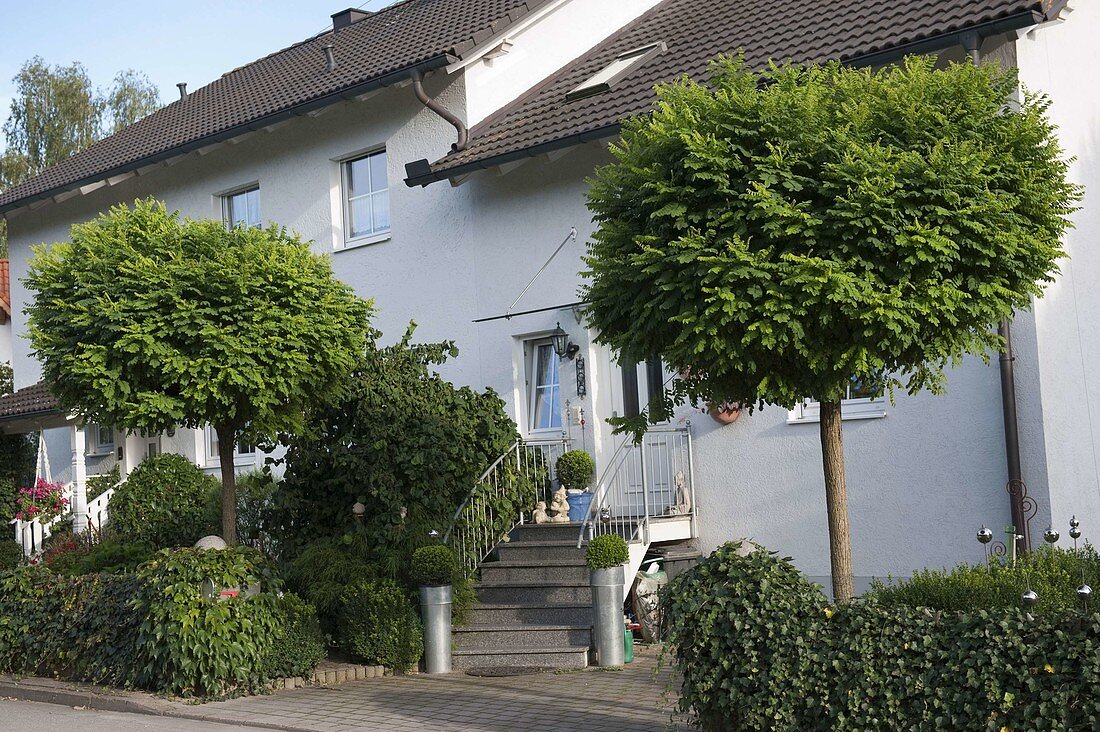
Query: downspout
{"points": [[1016, 487], [418, 89]]}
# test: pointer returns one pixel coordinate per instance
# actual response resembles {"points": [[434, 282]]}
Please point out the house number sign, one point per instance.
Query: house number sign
{"points": [[581, 388]]}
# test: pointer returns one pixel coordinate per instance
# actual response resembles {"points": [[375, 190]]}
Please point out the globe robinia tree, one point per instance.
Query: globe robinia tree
{"points": [[146, 321], [774, 235]]}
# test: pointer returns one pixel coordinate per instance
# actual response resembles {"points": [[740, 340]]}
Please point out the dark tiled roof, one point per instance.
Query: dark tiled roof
{"points": [[696, 32], [34, 399], [402, 36]]}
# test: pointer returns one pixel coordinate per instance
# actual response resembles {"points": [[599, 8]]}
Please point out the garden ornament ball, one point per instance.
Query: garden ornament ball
{"points": [[1051, 535], [358, 509], [1075, 533], [985, 535], [1029, 598], [1073, 522]]}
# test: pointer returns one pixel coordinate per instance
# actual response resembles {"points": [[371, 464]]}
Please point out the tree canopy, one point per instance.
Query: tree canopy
{"points": [[147, 321], [773, 235]]}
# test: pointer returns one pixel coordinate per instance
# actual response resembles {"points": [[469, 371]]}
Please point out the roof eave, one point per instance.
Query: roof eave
{"points": [[926, 45], [435, 62]]}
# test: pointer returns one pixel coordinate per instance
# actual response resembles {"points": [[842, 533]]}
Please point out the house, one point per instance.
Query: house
{"points": [[440, 154]]}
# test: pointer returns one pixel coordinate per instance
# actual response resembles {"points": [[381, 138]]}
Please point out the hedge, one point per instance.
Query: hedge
{"points": [[760, 648]]}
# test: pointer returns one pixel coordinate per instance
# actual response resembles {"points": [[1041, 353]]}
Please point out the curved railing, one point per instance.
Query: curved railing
{"points": [[642, 481], [511, 485]]}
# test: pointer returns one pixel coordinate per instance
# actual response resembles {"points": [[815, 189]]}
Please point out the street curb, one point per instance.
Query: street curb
{"points": [[50, 691]]}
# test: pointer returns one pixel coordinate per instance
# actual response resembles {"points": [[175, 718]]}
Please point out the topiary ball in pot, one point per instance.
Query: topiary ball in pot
{"points": [[606, 551], [574, 469], [433, 565]]}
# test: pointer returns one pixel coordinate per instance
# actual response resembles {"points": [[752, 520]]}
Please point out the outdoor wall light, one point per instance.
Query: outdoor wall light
{"points": [[562, 346]]}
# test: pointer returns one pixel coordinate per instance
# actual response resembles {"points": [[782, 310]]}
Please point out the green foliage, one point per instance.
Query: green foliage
{"points": [[379, 625], [113, 557], [98, 484], [772, 235], [433, 565], [759, 648], [255, 491], [166, 501], [75, 627], [11, 555], [17, 456], [405, 442], [321, 573], [192, 645], [1054, 574], [147, 322], [575, 468], [606, 550], [299, 646]]}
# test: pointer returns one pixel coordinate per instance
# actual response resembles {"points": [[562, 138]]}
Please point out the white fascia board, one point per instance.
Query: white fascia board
{"points": [[510, 32]]}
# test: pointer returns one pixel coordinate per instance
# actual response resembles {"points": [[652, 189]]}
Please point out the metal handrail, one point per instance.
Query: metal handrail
{"points": [[481, 478]]}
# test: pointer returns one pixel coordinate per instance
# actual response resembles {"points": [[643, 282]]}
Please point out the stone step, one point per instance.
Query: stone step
{"points": [[506, 613], [546, 532], [549, 571], [518, 551], [565, 657], [489, 637], [566, 592]]}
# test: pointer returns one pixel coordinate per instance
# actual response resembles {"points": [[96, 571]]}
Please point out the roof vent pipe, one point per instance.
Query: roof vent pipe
{"points": [[418, 89], [182, 86], [330, 57]]}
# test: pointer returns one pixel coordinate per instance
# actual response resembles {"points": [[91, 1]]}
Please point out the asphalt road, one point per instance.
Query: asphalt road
{"points": [[20, 716]]}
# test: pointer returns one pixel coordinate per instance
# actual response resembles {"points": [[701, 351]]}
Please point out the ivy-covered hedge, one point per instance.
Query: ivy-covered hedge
{"points": [[154, 629], [760, 648]]}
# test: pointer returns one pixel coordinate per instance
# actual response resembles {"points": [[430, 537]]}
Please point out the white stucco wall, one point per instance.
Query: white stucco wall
{"points": [[1056, 60]]}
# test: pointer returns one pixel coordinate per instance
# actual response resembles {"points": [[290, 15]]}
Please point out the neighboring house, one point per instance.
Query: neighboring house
{"points": [[331, 139], [5, 312]]}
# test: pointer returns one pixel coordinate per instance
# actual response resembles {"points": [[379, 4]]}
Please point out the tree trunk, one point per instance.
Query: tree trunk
{"points": [[227, 441], [836, 501]]}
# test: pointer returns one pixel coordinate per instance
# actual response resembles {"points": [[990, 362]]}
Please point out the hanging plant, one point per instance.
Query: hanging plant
{"points": [[44, 502]]}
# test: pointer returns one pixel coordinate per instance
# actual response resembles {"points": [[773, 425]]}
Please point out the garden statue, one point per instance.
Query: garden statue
{"points": [[539, 514], [560, 507], [682, 507]]}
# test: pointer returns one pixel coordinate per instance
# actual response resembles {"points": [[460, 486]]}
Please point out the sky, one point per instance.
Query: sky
{"points": [[195, 41]]}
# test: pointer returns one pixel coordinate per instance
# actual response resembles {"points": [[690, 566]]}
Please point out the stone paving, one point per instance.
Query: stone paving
{"points": [[635, 699]]}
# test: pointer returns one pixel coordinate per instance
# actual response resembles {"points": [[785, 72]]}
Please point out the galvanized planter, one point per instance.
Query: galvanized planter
{"points": [[607, 603], [435, 609]]}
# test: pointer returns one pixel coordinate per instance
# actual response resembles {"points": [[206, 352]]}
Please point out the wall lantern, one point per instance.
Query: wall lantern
{"points": [[562, 346]]}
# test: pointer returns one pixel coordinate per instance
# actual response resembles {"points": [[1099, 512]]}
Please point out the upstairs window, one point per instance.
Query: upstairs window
{"points": [[242, 208], [618, 69], [366, 198]]}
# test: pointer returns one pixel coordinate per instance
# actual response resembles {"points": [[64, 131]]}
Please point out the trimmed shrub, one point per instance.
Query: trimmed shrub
{"points": [[11, 555], [98, 484], [1054, 574], [574, 469], [76, 627], [433, 565], [166, 502], [111, 557], [192, 645], [759, 648], [606, 550], [299, 644], [322, 572], [379, 625]]}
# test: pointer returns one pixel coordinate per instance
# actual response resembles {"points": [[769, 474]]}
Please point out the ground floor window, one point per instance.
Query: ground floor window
{"points": [[241, 450], [543, 386], [862, 400]]}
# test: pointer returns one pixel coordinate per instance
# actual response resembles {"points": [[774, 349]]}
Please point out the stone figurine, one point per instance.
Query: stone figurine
{"points": [[682, 507], [559, 507], [539, 514]]}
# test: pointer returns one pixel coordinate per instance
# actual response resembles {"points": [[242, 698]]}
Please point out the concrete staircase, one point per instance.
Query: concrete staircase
{"points": [[534, 604]]}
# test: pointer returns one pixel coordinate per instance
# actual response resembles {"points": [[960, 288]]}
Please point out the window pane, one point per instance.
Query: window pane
{"points": [[546, 372], [253, 200], [378, 177], [546, 401], [358, 177], [381, 207], [212, 435], [860, 389], [359, 220]]}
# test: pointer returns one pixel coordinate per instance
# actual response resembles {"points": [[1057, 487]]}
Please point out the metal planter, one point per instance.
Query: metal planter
{"points": [[435, 610], [607, 604]]}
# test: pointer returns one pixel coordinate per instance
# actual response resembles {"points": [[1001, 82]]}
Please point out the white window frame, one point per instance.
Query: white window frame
{"points": [[531, 388], [809, 411], [227, 204], [96, 445], [212, 457], [346, 240]]}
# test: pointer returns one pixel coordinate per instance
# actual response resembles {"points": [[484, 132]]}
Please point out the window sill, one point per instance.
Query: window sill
{"points": [[238, 461], [363, 241], [815, 419], [104, 452]]}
